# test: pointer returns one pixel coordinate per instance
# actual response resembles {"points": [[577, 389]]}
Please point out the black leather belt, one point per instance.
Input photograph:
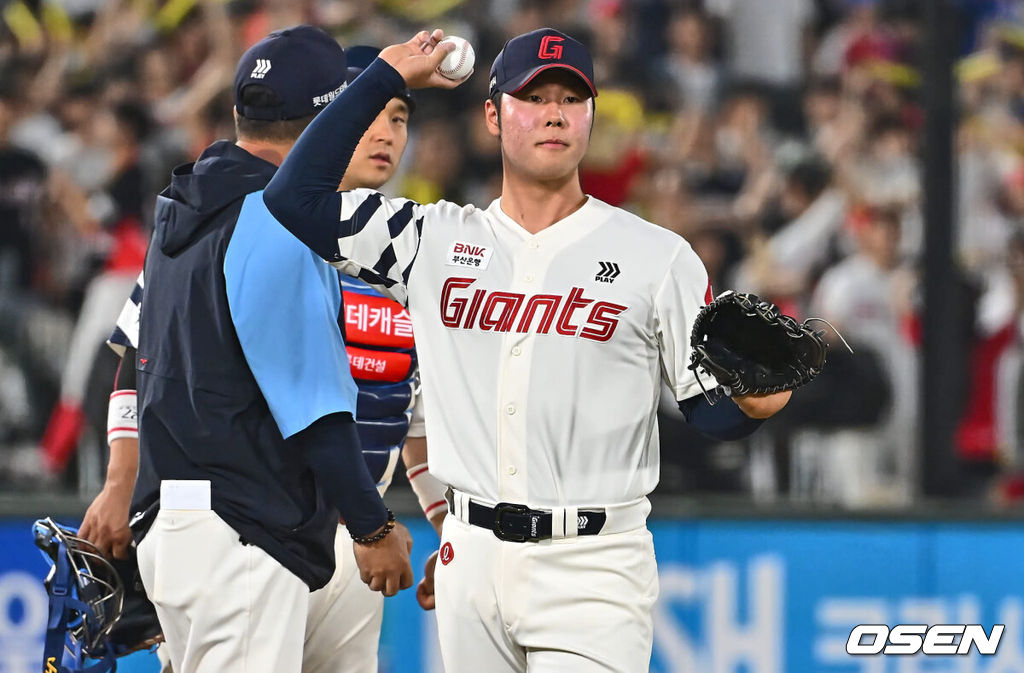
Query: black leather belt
{"points": [[518, 523]]}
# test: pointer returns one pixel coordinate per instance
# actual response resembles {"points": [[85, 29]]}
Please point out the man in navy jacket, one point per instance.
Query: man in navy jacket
{"points": [[248, 447]]}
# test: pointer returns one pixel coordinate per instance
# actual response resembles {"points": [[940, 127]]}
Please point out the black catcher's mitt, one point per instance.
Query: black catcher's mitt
{"points": [[750, 347]]}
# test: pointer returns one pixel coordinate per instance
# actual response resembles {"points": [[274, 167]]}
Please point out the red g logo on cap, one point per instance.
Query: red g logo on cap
{"points": [[547, 50]]}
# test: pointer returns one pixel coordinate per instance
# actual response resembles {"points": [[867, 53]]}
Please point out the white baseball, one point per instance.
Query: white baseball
{"points": [[458, 63]]}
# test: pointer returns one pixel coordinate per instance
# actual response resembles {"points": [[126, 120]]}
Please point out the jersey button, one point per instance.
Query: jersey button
{"points": [[511, 469], [534, 245], [511, 409], [516, 350], [528, 278]]}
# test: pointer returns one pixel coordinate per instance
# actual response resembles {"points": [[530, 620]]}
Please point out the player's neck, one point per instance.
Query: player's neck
{"points": [[268, 151], [535, 206]]}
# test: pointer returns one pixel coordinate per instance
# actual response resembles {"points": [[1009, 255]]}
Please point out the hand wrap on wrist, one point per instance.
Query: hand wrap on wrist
{"points": [[429, 491], [122, 415]]}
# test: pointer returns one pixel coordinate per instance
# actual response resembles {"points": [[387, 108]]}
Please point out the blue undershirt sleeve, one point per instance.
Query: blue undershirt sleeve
{"points": [[724, 420]]}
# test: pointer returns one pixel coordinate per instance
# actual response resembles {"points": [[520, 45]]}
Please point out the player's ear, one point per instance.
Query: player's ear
{"points": [[492, 116]]}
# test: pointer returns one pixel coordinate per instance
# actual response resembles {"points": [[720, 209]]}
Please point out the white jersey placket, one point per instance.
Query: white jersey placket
{"points": [[533, 257], [528, 271]]}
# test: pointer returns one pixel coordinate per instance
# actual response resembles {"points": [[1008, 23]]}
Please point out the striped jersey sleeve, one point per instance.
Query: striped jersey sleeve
{"points": [[126, 330], [378, 240]]}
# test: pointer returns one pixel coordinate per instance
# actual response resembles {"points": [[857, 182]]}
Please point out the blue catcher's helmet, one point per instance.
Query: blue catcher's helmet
{"points": [[98, 611]]}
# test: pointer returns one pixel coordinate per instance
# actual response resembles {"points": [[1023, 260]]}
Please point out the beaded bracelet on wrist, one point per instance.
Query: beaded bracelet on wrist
{"points": [[389, 525]]}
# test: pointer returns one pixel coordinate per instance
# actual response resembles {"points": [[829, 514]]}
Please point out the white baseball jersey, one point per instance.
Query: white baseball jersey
{"points": [[542, 354]]}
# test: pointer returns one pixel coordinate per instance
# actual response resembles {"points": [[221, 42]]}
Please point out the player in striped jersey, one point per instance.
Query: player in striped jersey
{"points": [[344, 618]]}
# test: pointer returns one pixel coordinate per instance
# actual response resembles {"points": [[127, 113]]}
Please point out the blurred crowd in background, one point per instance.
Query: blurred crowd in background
{"points": [[781, 138]]}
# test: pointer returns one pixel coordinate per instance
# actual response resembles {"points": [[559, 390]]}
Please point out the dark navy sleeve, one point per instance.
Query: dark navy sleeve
{"points": [[724, 420], [303, 195], [284, 304], [332, 448], [125, 377]]}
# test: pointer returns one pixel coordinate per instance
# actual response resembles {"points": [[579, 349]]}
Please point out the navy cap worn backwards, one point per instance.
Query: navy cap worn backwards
{"points": [[527, 55], [304, 67], [359, 59]]}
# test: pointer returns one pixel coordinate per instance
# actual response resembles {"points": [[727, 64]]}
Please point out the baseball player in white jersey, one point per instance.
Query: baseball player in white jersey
{"points": [[344, 618], [545, 323]]}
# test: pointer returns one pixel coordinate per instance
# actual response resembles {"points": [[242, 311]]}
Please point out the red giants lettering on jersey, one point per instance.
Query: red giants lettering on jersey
{"points": [[498, 311]]}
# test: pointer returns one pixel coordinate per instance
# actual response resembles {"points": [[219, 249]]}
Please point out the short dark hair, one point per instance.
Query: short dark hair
{"points": [[886, 123], [890, 215], [825, 86], [812, 175], [135, 119], [258, 96]]}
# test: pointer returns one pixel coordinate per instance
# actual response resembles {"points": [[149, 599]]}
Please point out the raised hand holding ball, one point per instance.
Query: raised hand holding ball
{"points": [[458, 64], [418, 60]]}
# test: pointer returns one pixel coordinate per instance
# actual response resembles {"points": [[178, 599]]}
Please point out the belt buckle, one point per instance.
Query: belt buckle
{"points": [[509, 508]]}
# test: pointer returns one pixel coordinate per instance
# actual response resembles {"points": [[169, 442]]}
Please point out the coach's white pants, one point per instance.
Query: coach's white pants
{"points": [[223, 606], [572, 605], [343, 626]]}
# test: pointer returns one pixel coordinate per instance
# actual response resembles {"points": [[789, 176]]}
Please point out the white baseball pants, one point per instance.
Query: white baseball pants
{"points": [[571, 605], [343, 626], [223, 606]]}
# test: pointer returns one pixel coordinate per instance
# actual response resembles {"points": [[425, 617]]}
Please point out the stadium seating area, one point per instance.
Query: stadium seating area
{"points": [[781, 138]]}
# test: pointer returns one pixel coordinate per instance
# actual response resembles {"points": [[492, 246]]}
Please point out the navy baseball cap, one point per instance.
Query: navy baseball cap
{"points": [[303, 65], [359, 59], [527, 55]]}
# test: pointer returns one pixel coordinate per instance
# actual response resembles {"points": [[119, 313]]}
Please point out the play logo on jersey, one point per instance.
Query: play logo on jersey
{"points": [[469, 255], [608, 273]]}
